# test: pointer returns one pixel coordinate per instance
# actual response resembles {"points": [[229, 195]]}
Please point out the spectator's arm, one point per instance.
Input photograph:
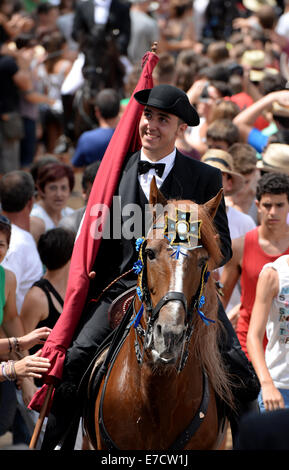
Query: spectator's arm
{"points": [[36, 98], [249, 115], [22, 80], [34, 309], [267, 289], [12, 324], [246, 118]]}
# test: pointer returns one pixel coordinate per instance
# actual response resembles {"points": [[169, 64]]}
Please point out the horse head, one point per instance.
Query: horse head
{"points": [[180, 249]]}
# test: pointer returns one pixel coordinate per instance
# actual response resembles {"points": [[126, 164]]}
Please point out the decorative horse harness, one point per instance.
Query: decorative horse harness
{"points": [[179, 232]]}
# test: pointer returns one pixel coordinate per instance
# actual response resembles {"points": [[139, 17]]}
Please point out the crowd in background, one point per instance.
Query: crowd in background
{"points": [[67, 71]]}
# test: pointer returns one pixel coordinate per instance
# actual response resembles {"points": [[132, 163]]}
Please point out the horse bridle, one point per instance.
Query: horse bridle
{"points": [[153, 313]]}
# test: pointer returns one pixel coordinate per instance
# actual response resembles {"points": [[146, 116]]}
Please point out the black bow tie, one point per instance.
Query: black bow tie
{"points": [[144, 167]]}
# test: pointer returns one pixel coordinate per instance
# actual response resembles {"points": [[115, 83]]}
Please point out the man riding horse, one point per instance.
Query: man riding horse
{"points": [[167, 113]]}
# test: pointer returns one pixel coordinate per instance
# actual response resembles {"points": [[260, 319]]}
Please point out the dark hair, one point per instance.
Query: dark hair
{"points": [[222, 87], [53, 42], [41, 162], [273, 82], [273, 183], [89, 174], [108, 103], [16, 189], [164, 71], [54, 172], [236, 84], [244, 156], [55, 247], [280, 137], [225, 109], [185, 76], [282, 121], [223, 129], [5, 227], [217, 51], [45, 8], [25, 40], [215, 72]]}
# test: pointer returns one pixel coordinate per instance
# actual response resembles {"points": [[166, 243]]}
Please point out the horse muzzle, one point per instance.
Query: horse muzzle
{"points": [[167, 343]]}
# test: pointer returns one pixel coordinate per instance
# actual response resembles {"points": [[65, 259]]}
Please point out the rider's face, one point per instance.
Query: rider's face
{"points": [[159, 131]]}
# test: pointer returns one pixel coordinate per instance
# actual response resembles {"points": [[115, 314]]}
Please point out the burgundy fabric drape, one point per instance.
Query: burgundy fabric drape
{"points": [[124, 140]]}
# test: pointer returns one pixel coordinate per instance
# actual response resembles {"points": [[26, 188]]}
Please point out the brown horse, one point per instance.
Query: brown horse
{"points": [[160, 390]]}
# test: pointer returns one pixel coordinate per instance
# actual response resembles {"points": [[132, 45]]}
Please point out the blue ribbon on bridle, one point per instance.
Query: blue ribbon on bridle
{"points": [[135, 321], [178, 252], [205, 319]]}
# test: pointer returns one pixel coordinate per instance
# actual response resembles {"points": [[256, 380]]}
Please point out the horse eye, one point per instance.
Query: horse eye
{"points": [[150, 254]]}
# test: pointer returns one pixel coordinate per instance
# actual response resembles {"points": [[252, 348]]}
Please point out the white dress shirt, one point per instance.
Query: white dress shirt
{"points": [[101, 11], [146, 178]]}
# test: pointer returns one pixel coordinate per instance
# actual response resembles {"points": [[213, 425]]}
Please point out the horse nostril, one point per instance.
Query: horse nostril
{"points": [[172, 337]]}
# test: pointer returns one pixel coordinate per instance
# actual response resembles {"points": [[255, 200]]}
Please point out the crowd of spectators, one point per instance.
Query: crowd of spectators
{"points": [[68, 69]]}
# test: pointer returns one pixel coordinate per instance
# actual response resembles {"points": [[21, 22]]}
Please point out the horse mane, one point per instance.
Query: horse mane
{"points": [[206, 344], [210, 237]]}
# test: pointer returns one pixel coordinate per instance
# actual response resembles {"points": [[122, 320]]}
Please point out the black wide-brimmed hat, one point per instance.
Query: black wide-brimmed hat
{"points": [[170, 99]]}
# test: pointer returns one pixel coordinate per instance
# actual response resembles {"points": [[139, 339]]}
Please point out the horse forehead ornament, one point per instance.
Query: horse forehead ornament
{"points": [[183, 233]]}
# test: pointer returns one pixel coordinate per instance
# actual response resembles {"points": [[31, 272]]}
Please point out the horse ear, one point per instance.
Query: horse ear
{"points": [[213, 204], [156, 197]]}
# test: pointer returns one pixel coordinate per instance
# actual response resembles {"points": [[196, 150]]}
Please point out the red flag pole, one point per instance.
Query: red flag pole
{"points": [[45, 393]]}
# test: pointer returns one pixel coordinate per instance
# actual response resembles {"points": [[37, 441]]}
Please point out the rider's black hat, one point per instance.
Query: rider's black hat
{"points": [[170, 99]]}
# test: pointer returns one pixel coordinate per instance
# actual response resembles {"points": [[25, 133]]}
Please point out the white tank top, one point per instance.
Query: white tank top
{"points": [[277, 329]]}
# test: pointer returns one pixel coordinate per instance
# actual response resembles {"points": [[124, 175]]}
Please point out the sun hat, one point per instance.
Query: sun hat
{"points": [[224, 161], [256, 5], [275, 158], [278, 110]]}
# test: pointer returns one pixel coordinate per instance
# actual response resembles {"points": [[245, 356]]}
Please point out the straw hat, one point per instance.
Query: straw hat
{"points": [[255, 60], [256, 5], [275, 158], [279, 110], [224, 162]]}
